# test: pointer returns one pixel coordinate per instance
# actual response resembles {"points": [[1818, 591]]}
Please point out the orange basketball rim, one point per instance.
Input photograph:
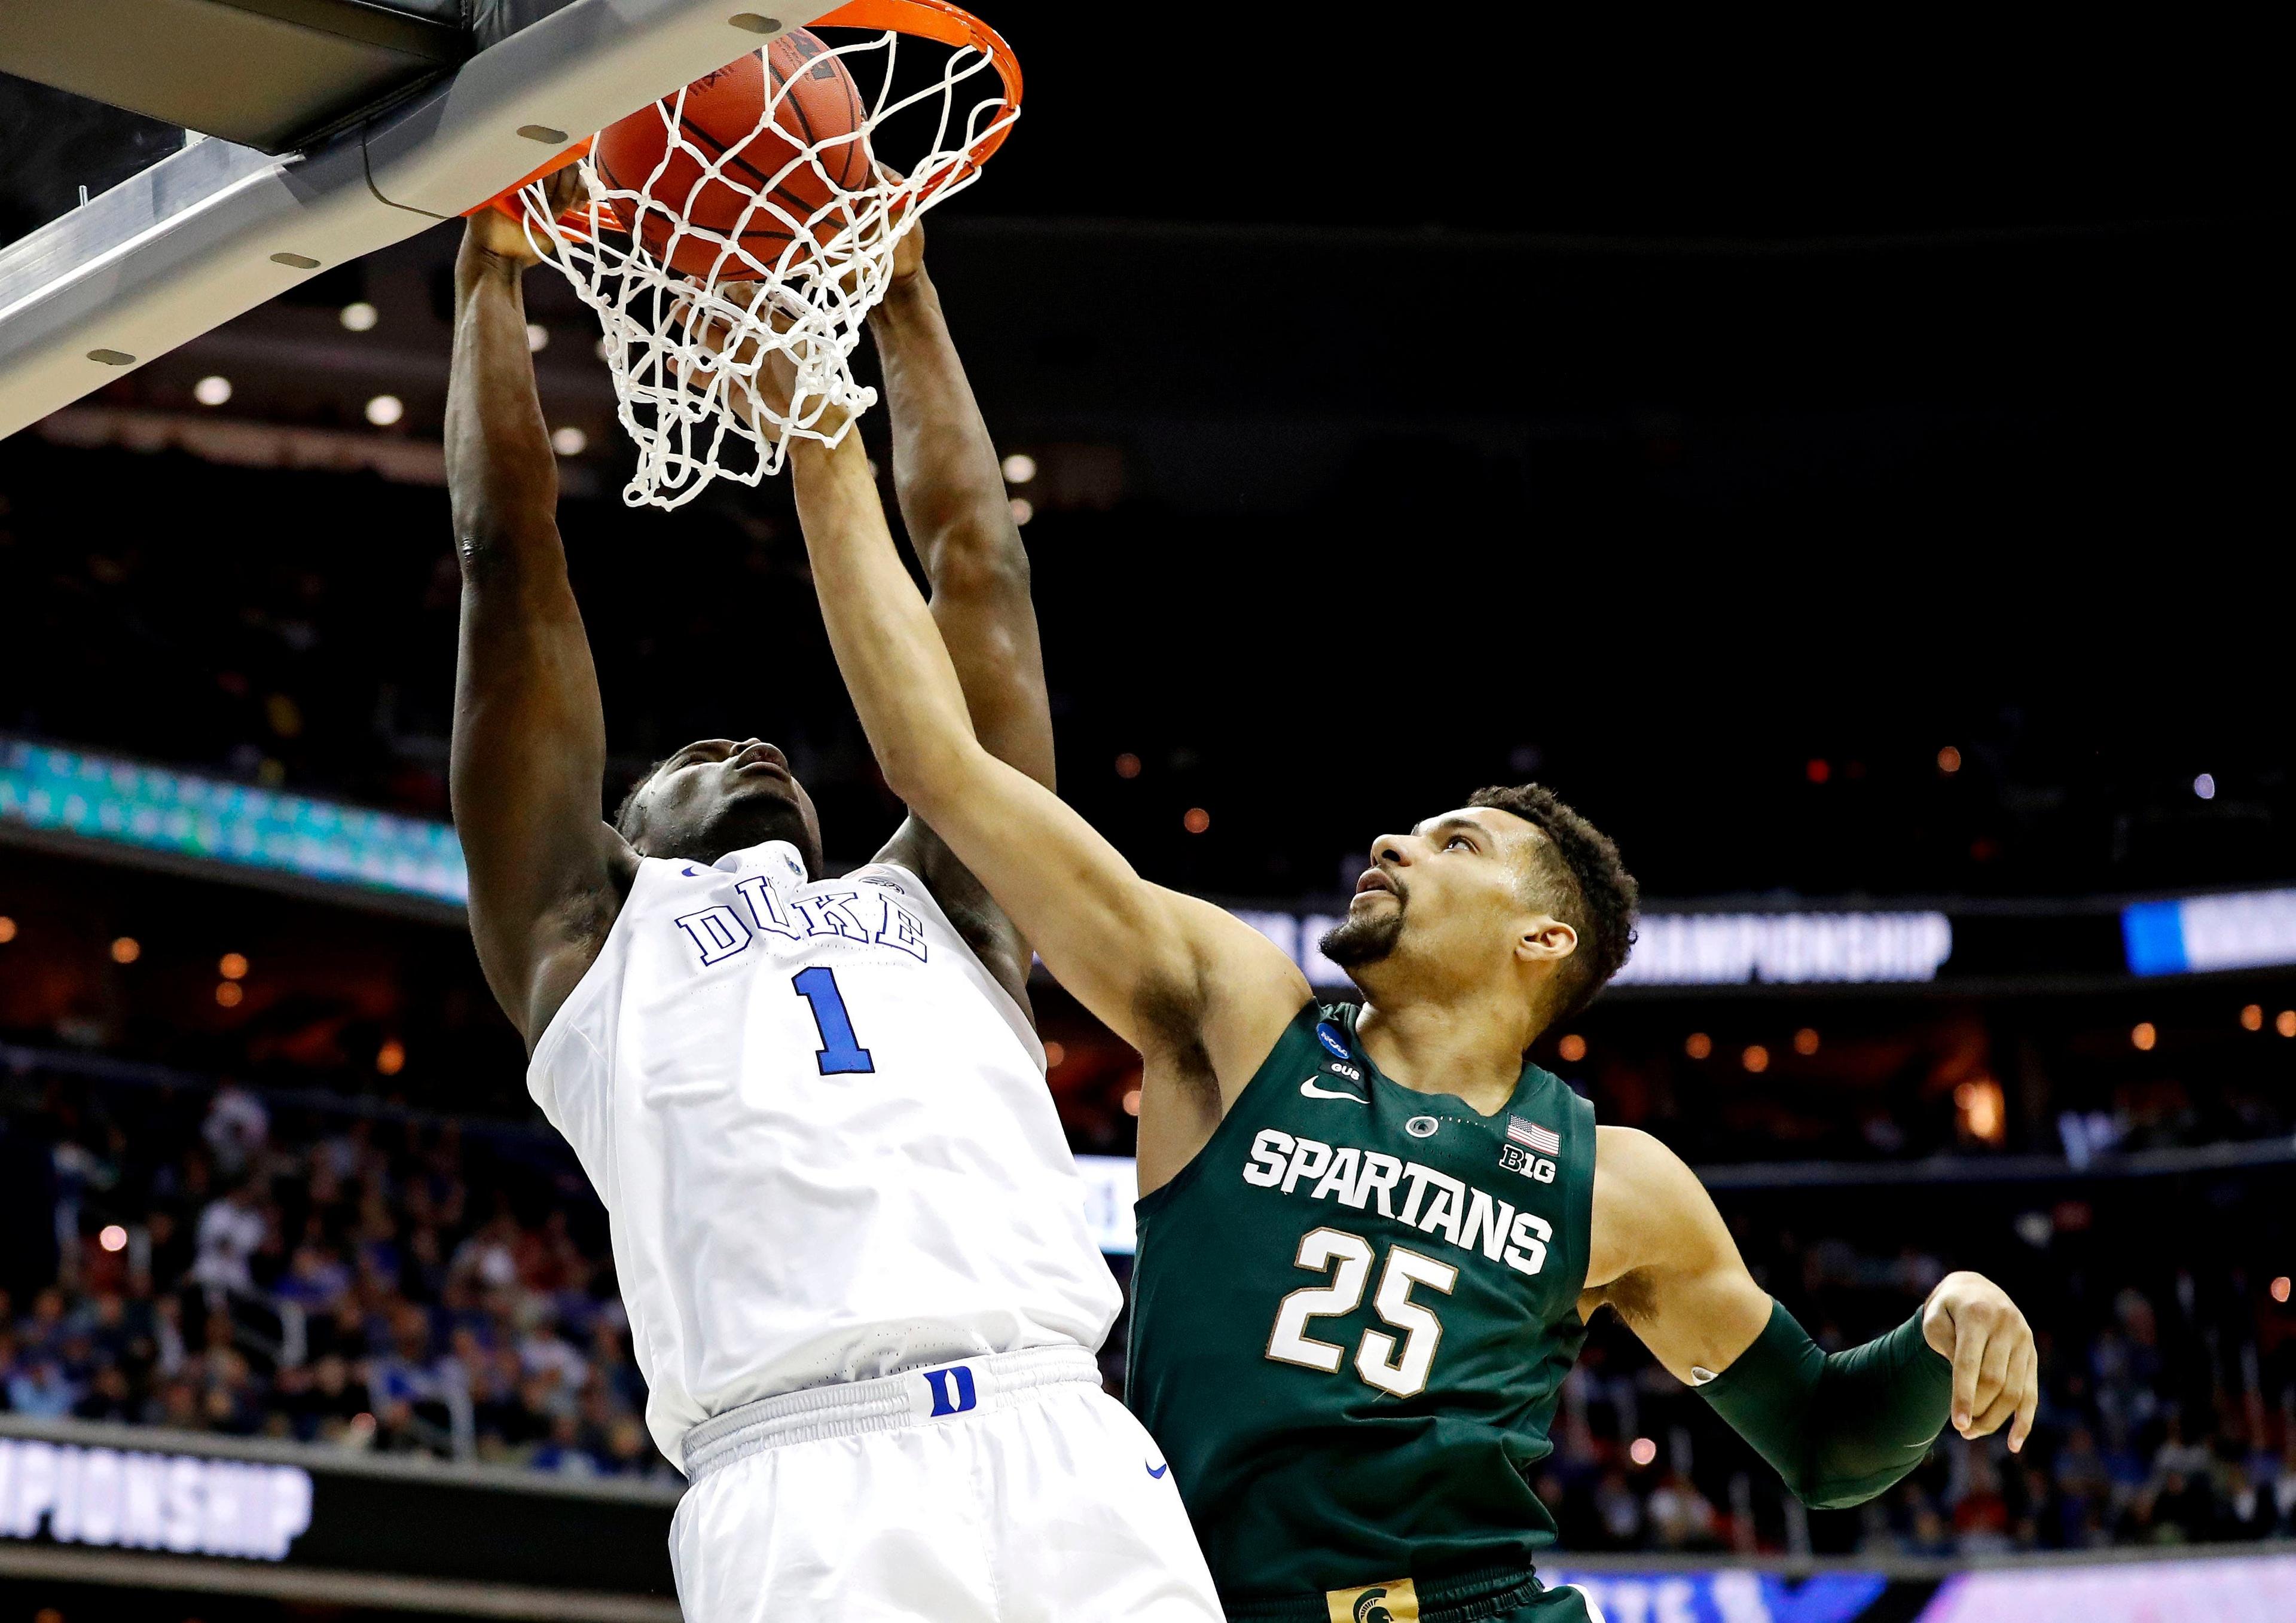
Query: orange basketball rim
{"points": [[935, 20]]}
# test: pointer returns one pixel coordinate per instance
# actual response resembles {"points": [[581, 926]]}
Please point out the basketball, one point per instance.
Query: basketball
{"points": [[721, 118]]}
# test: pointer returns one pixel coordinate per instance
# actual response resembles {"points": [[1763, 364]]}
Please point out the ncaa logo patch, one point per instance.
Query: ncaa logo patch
{"points": [[1331, 1040]]}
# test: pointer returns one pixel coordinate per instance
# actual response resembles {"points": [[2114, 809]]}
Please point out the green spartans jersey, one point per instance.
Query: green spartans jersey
{"points": [[1352, 1314]]}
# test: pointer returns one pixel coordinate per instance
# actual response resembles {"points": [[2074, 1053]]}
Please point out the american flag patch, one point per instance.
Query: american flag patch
{"points": [[1542, 1140]]}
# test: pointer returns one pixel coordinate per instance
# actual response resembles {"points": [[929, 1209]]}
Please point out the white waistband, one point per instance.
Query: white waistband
{"points": [[913, 1398]]}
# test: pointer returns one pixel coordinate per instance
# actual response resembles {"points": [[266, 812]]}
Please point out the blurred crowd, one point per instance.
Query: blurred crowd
{"points": [[223, 1261], [2168, 1402], [385, 1285]]}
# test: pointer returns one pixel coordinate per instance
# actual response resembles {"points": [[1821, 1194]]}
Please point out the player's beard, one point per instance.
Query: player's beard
{"points": [[1364, 937]]}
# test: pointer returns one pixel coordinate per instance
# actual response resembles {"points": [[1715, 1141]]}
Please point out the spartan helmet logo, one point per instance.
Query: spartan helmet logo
{"points": [[1369, 1610]]}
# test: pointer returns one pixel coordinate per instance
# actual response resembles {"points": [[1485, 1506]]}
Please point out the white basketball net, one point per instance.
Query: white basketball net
{"points": [[699, 411]]}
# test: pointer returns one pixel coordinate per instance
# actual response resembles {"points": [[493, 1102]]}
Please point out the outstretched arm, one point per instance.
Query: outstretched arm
{"points": [[951, 488], [1840, 1427], [1178, 979], [530, 744], [953, 500]]}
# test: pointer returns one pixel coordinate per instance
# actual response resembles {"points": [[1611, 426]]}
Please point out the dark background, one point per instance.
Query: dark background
{"points": [[1658, 412], [1718, 424]]}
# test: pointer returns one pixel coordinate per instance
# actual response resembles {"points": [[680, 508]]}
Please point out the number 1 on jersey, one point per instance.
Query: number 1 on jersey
{"points": [[841, 1052]]}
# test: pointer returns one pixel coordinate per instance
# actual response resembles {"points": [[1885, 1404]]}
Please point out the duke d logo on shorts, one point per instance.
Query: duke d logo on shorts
{"points": [[1395, 1602]]}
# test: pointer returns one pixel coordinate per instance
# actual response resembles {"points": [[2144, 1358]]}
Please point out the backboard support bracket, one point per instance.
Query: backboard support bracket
{"points": [[216, 229]]}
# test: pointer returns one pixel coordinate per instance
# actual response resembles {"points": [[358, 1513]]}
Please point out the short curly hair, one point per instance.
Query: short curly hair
{"points": [[1582, 880]]}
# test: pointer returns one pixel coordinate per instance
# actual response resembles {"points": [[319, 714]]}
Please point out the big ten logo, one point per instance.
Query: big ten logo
{"points": [[1537, 1168]]}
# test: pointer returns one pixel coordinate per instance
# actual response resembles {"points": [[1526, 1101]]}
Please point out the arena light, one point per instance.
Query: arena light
{"points": [[213, 389], [1019, 468], [2205, 786], [360, 317], [1197, 820], [230, 994], [127, 950], [1127, 764], [384, 409], [1982, 1108], [1949, 760], [7, 930], [1756, 1059], [1023, 510], [1643, 1451], [2144, 1037], [1806, 1041], [569, 441], [2252, 1017], [113, 1238], [233, 966], [1698, 1045], [1572, 1048], [538, 337]]}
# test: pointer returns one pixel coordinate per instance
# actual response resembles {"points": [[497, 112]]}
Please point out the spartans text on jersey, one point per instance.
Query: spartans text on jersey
{"points": [[1470, 1218]]}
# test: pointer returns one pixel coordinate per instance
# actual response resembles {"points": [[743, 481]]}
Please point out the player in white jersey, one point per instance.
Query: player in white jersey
{"points": [[848, 1231]]}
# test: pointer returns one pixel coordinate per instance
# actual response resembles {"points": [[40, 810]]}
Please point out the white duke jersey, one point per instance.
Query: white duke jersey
{"points": [[821, 1134]]}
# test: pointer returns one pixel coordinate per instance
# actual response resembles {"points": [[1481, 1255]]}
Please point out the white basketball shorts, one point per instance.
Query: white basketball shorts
{"points": [[1004, 1489]]}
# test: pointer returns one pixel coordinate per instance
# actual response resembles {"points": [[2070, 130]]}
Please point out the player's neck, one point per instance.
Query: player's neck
{"points": [[1471, 1046]]}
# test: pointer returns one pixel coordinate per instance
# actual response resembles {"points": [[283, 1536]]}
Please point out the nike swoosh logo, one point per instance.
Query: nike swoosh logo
{"points": [[1158, 1472], [1311, 1091]]}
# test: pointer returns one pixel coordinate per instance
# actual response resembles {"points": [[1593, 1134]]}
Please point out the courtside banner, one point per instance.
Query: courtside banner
{"points": [[1733, 1596], [256, 1501]]}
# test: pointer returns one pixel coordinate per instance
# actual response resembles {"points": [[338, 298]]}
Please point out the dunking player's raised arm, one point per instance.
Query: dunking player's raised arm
{"points": [[951, 489], [529, 741], [1198, 992]]}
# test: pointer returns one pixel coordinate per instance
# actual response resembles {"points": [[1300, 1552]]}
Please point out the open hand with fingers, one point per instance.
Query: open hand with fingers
{"points": [[1996, 1369]]}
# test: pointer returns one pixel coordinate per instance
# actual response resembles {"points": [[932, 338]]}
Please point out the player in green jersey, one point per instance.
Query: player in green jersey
{"points": [[1371, 1237]]}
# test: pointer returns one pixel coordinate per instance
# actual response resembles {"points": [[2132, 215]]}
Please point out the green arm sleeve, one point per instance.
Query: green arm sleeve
{"points": [[1838, 1427]]}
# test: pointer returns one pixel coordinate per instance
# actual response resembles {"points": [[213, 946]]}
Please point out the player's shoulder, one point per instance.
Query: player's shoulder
{"points": [[1643, 1168], [1649, 1207], [1630, 1152]]}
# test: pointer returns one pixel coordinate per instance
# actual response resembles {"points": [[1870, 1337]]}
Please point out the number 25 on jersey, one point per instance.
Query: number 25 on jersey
{"points": [[1401, 1370]]}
